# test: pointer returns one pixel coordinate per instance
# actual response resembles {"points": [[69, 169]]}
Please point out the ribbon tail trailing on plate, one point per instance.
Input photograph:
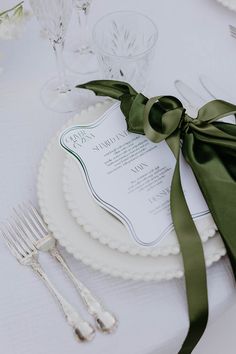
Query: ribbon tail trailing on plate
{"points": [[209, 147]]}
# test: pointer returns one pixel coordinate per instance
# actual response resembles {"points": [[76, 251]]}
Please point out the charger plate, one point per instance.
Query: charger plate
{"points": [[87, 249]]}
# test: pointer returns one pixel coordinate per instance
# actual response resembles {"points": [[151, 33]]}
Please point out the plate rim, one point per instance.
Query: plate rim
{"points": [[146, 276], [121, 246], [206, 232]]}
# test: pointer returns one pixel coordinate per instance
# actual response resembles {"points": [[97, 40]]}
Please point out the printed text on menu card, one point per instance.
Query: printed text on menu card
{"points": [[130, 176]]}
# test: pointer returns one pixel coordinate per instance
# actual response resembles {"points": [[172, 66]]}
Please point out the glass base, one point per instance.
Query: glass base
{"points": [[73, 100], [80, 60], [60, 100]]}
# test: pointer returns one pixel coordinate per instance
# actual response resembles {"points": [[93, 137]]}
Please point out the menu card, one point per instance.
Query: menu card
{"points": [[130, 176]]}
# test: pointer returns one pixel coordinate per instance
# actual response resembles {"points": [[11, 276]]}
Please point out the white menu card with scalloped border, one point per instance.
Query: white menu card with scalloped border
{"points": [[130, 176]]}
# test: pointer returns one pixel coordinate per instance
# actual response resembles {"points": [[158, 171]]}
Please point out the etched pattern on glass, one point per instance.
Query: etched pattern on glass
{"points": [[125, 48], [53, 16]]}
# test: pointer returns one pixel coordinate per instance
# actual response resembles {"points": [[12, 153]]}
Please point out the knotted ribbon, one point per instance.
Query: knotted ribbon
{"points": [[209, 147]]}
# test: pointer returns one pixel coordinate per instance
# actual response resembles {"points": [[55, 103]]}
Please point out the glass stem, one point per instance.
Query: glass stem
{"points": [[82, 13], [58, 50]]}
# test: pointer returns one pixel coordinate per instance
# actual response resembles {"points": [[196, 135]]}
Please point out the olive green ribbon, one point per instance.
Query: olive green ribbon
{"points": [[209, 147]]}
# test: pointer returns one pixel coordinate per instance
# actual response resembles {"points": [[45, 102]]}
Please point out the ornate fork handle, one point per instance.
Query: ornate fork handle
{"points": [[105, 320], [82, 329]]}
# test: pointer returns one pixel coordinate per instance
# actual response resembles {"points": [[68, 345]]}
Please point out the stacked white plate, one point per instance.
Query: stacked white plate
{"points": [[96, 237]]}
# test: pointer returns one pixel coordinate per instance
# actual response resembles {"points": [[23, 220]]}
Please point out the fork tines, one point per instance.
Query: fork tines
{"points": [[31, 220], [232, 31], [17, 240], [23, 231]]}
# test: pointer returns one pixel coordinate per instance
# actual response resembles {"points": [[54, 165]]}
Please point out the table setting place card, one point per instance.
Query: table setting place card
{"points": [[130, 176]]}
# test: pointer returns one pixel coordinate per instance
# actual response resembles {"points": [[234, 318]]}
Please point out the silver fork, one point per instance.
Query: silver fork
{"points": [[23, 249], [34, 226], [232, 30]]}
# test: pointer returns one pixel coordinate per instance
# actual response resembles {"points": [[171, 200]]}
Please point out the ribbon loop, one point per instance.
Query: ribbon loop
{"points": [[209, 147]]}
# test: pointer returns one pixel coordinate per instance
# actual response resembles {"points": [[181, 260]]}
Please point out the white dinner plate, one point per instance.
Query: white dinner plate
{"points": [[103, 226], [87, 249]]}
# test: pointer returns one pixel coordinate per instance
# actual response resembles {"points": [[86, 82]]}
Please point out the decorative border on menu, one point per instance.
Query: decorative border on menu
{"points": [[114, 210]]}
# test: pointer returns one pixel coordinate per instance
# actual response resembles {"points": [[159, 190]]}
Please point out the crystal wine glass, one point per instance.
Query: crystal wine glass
{"points": [[79, 54], [125, 43], [54, 17]]}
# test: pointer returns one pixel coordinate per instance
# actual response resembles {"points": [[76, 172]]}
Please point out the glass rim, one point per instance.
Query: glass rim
{"points": [[124, 56]]}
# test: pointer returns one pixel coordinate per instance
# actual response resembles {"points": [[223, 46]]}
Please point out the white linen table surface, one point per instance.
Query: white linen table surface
{"points": [[193, 39]]}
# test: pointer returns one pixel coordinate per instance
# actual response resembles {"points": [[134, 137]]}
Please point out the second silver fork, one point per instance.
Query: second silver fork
{"points": [[22, 248], [34, 226]]}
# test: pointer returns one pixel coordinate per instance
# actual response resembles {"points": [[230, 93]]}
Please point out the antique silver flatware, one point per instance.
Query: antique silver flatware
{"points": [[193, 100], [20, 245], [217, 93], [34, 226]]}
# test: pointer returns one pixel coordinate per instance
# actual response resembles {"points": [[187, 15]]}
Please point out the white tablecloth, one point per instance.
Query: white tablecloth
{"points": [[193, 39]]}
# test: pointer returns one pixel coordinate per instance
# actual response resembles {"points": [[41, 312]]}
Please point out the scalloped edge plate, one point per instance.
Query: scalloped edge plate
{"points": [[90, 251], [103, 226]]}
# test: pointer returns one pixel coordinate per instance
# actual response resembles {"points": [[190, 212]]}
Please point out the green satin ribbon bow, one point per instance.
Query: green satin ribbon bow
{"points": [[209, 147]]}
